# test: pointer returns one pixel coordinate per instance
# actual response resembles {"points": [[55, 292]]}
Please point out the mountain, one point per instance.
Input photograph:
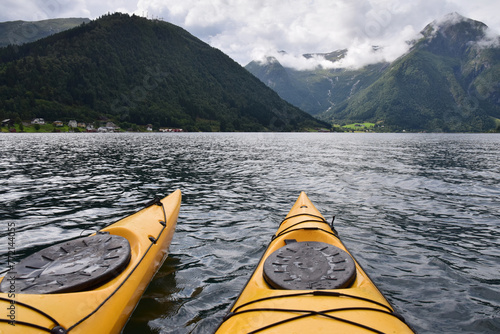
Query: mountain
{"points": [[318, 90], [132, 70], [20, 32], [447, 81]]}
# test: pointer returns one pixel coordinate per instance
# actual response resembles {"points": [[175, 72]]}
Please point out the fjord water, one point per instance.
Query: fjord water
{"points": [[421, 212]]}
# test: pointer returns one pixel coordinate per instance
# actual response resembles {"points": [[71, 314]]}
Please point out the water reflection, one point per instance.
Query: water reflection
{"points": [[419, 211]]}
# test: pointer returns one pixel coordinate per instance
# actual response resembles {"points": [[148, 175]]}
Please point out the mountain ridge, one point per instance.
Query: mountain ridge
{"points": [[20, 32], [138, 71], [445, 82]]}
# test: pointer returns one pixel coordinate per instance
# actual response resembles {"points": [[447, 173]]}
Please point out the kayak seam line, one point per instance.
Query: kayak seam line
{"points": [[128, 276]]}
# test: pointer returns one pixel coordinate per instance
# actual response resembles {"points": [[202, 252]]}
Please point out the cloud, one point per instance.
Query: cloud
{"points": [[11, 10], [247, 29], [35, 10], [252, 29], [490, 40], [298, 62]]}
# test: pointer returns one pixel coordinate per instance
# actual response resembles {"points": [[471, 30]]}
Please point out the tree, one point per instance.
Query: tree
{"points": [[19, 122]]}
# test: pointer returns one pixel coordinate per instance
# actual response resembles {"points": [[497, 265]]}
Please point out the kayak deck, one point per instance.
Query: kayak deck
{"points": [[333, 293], [107, 307]]}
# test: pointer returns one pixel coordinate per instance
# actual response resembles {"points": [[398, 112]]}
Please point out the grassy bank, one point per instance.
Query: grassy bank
{"points": [[38, 128]]}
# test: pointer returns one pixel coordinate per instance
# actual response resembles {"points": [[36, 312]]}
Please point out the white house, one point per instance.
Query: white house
{"points": [[40, 121]]}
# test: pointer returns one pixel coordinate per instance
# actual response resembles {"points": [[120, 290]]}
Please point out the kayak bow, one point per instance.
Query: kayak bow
{"points": [[90, 284], [307, 282]]}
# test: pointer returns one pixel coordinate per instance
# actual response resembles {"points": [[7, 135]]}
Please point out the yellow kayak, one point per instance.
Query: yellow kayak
{"points": [[308, 282], [90, 284]]}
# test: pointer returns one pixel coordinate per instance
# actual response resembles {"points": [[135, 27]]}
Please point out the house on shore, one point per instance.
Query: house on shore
{"points": [[110, 127], [39, 121]]}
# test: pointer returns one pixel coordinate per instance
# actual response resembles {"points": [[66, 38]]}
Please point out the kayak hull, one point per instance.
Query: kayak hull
{"points": [[107, 308], [359, 307]]}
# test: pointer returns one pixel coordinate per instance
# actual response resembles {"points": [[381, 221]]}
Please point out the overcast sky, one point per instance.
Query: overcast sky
{"points": [[249, 29]]}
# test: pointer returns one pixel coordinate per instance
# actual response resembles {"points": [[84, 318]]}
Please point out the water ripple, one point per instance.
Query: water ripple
{"points": [[419, 211]]}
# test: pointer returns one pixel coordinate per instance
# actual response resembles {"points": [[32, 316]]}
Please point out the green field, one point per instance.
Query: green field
{"points": [[41, 128], [359, 126]]}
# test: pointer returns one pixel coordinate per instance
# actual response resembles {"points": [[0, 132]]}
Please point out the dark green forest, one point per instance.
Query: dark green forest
{"points": [[132, 70]]}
